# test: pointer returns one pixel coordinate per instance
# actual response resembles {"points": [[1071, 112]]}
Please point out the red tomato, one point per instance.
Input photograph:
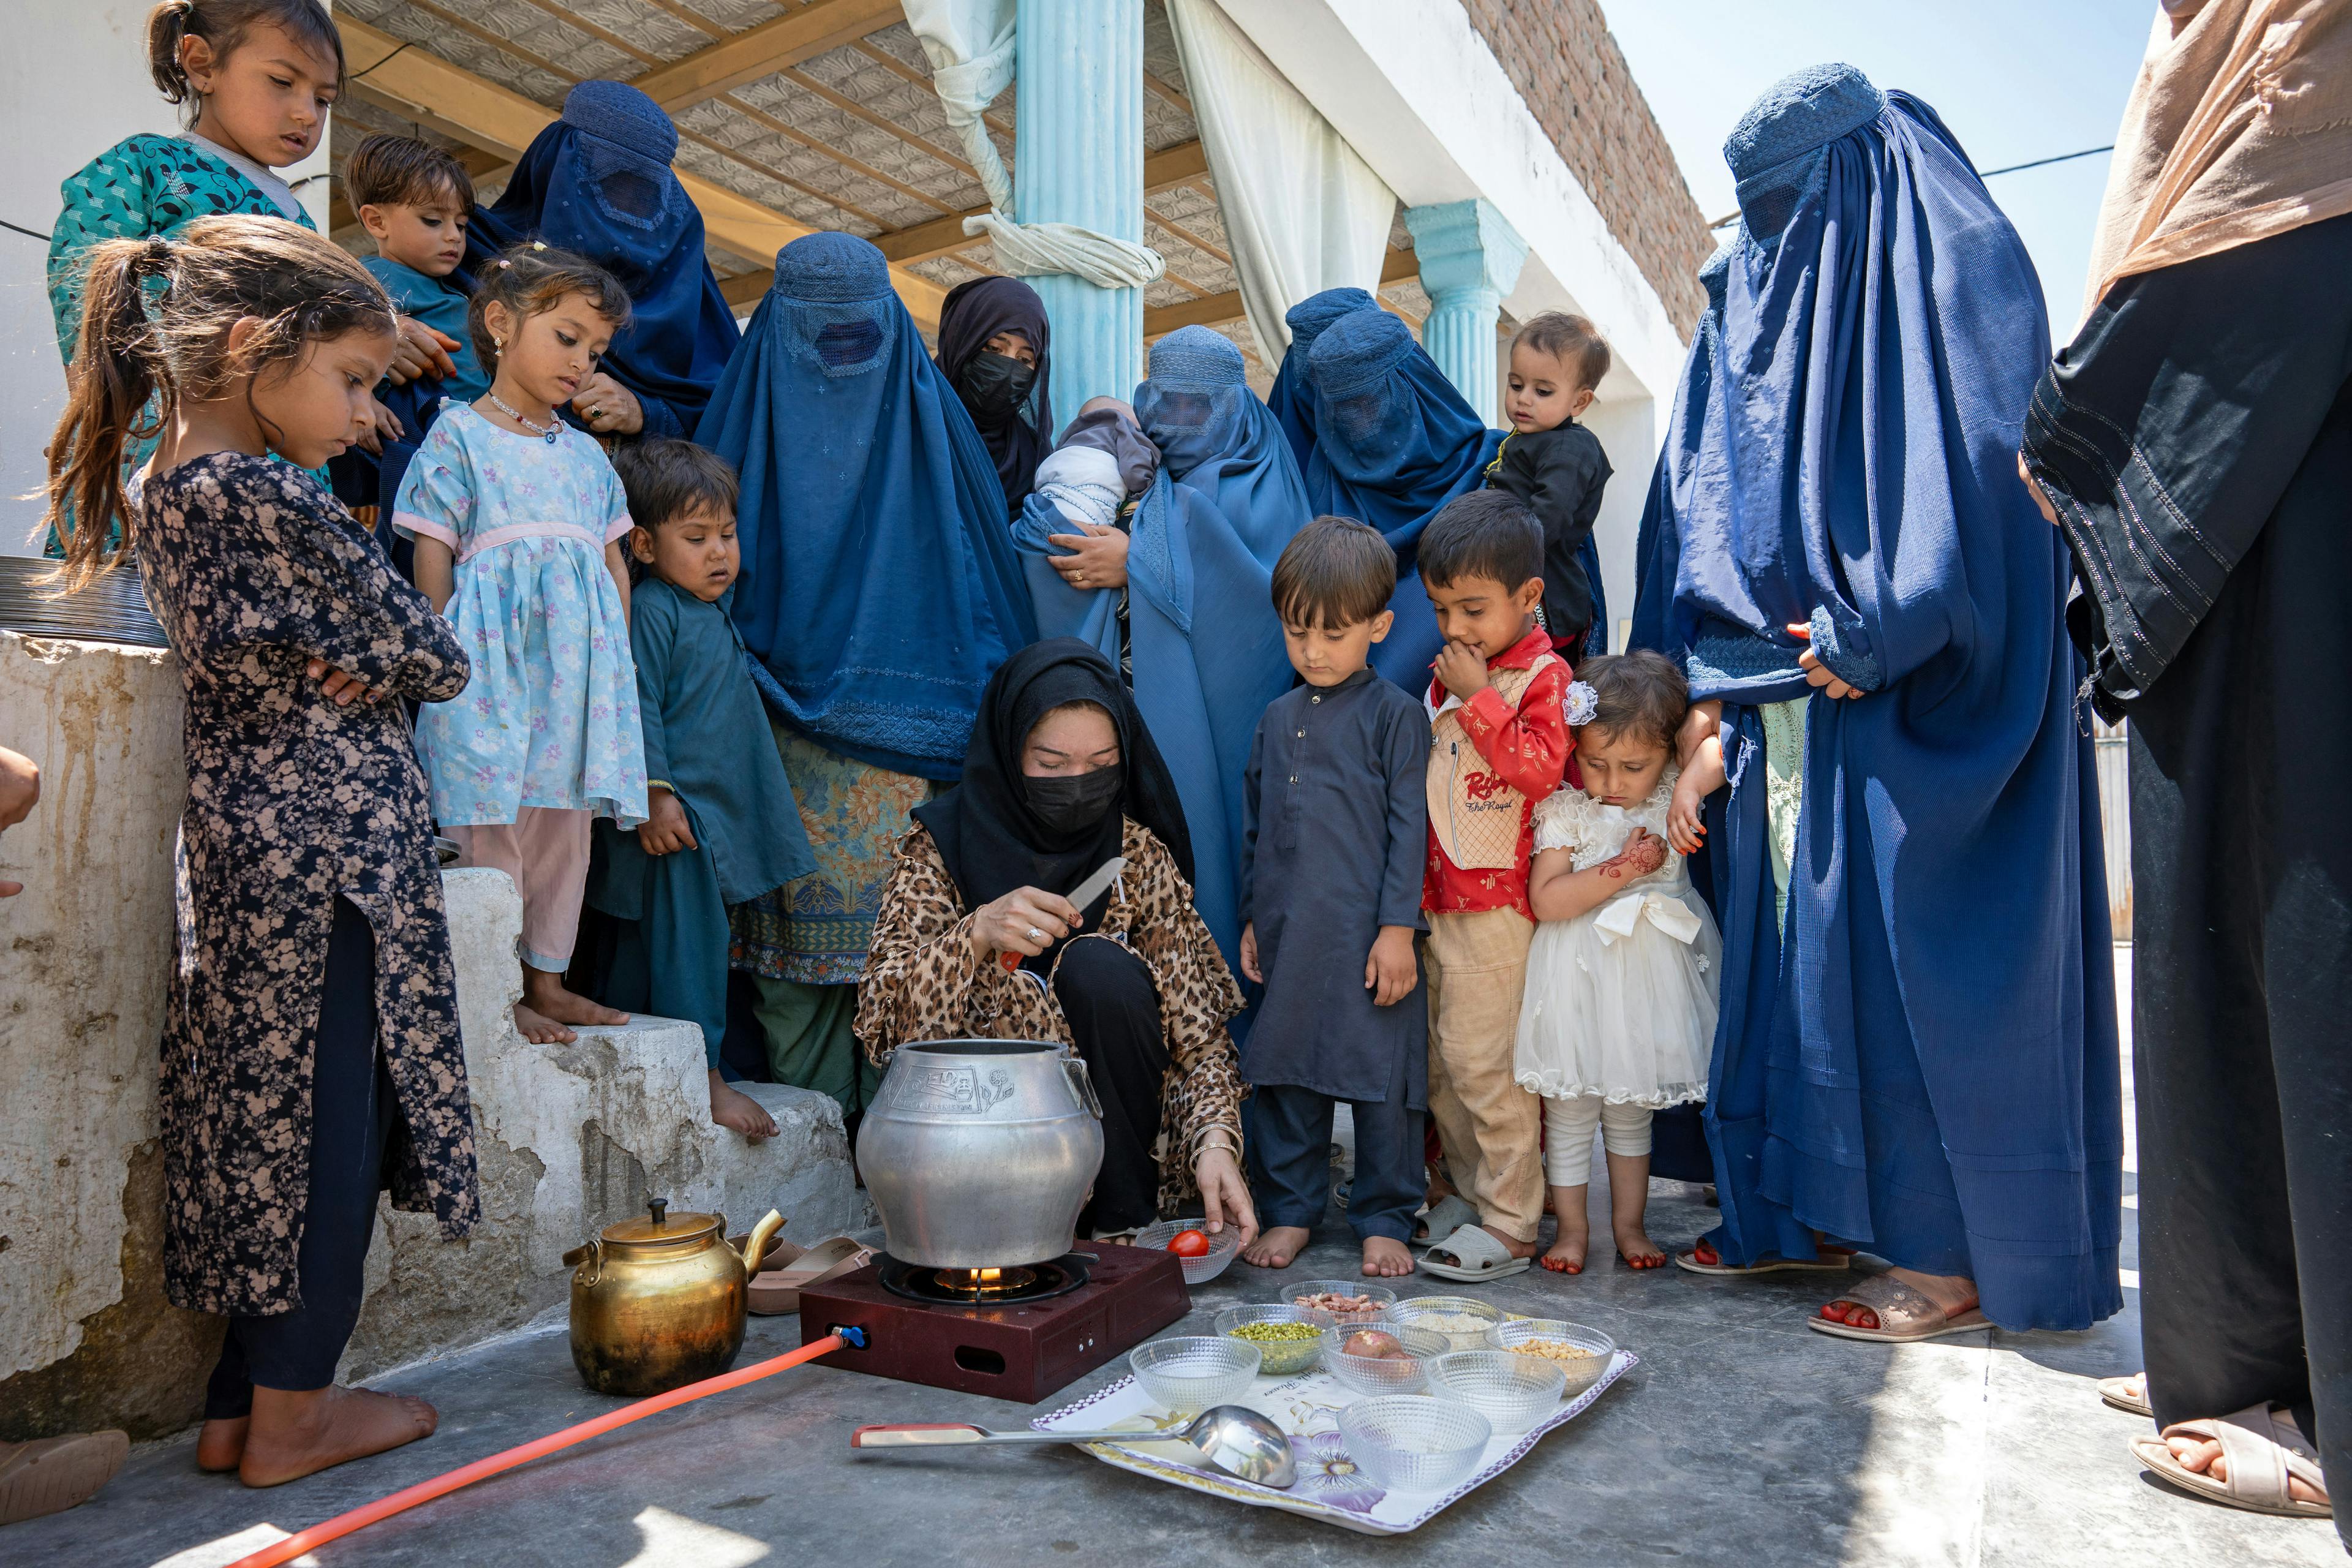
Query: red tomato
{"points": [[1189, 1244]]}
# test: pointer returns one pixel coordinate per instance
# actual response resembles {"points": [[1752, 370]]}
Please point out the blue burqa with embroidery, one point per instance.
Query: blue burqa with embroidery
{"points": [[598, 182], [1208, 654], [1293, 394], [879, 589], [1923, 1061]]}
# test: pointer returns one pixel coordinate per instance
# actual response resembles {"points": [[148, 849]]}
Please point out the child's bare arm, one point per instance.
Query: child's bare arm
{"points": [[1557, 891], [618, 565], [1704, 722], [436, 572], [1701, 777]]}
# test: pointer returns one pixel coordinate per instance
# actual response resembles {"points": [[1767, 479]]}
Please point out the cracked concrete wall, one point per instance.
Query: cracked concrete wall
{"points": [[570, 1139]]}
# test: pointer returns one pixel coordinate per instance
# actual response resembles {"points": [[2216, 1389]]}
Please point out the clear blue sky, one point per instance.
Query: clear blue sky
{"points": [[2015, 79]]}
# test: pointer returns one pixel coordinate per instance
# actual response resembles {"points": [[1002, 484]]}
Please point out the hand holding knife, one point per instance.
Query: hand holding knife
{"points": [[1085, 893]]}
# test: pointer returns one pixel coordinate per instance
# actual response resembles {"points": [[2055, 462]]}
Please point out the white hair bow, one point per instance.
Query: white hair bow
{"points": [[1581, 703]]}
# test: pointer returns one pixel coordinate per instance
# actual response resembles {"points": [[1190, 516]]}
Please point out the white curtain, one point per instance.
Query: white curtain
{"points": [[1303, 212], [971, 46]]}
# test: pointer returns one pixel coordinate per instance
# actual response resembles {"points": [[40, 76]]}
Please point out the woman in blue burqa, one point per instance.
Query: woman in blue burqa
{"points": [[879, 590], [1393, 441], [1917, 1052], [598, 182], [1292, 397], [1205, 645]]}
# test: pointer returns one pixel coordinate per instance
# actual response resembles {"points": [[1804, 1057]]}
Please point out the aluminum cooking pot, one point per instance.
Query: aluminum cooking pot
{"points": [[979, 1153]]}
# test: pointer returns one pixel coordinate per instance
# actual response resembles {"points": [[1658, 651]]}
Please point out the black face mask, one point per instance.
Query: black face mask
{"points": [[1067, 803], [993, 386]]}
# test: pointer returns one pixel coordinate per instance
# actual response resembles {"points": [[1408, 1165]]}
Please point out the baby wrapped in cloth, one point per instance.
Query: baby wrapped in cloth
{"points": [[1088, 484]]}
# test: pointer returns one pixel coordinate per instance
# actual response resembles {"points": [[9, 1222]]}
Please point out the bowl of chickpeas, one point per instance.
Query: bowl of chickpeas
{"points": [[1581, 1353]]}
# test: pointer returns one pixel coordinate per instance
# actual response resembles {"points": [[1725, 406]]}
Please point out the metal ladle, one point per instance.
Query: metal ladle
{"points": [[1229, 1438]]}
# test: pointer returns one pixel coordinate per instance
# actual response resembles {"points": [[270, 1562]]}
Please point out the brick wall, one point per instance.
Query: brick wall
{"points": [[1559, 54]]}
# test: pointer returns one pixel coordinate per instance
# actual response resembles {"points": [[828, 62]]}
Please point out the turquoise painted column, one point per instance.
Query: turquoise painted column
{"points": [[1078, 158], [1469, 259]]}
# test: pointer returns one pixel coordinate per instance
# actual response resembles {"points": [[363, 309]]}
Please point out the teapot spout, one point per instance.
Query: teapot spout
{"points": [[757, 1246]]}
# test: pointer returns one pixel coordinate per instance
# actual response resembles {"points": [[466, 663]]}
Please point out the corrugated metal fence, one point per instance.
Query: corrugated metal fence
{"points": [[2109, 747]]}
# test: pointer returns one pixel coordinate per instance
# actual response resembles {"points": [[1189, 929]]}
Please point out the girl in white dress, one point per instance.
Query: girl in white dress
{"points": [[1619, 1019]]}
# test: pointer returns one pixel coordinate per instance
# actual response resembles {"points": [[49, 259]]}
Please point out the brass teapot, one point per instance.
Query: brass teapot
{"points": [[658, 1303]]}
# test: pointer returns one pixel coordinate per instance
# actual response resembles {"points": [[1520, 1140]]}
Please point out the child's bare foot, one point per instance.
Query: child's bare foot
{"points": [[1518, 1248], [541, 1029], [544, 993], [1566, 1253], [1635, 1247], [221, 1444], [732, 1108], [1385, 1257], [1275, 1246], [295, 1435]]}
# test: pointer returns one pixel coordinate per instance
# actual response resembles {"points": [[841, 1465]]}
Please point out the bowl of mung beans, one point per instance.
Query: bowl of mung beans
{"points": [[1582, 1353], [1289, 1339]]}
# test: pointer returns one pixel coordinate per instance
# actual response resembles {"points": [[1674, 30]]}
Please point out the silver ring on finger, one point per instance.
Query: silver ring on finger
{"points": [[1036, 935]]}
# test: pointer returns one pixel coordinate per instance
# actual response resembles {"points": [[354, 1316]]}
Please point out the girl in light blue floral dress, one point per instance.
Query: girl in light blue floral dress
{"points": [[518, 520]]}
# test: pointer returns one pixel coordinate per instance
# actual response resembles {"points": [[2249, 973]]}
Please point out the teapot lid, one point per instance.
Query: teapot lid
{"points": [[659, 1227]]}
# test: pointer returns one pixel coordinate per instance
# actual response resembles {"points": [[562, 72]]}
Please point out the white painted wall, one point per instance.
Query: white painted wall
{"points": [[73, 81]]}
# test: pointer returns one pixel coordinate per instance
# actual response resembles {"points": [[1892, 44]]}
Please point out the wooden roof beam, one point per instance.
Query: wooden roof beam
{"points": [[1162, 171], [1216, 309], [421, 86], [765, 49]]}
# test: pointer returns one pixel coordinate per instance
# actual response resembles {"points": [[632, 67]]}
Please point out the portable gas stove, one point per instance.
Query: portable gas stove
{"points": [[1012, 1333]]}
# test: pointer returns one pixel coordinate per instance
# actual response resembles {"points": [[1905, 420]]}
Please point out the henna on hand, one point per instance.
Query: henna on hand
{"points": [[1644, 853]]}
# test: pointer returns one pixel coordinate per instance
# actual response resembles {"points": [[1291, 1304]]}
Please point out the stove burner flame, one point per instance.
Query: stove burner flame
{"points": [[980, 1284]]}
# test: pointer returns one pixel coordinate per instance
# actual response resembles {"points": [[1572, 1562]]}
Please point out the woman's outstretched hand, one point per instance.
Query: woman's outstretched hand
{"points": [[1223, 1194], [1027, 920]]}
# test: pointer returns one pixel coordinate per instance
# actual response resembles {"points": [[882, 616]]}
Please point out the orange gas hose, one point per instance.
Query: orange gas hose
{"points": [[343, 1524]]}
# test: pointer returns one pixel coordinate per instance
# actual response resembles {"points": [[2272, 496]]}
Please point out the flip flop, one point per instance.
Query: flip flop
{"points": [[1476, 1255], [2115, 1392], [789, 1270], [2265, 1448], [51, 1475], [1906, 1316], [1445, 1217], [1832, 1260]]}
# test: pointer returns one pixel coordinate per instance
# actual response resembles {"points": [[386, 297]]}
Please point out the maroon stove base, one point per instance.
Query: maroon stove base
{"points": [[1024, 1350]]}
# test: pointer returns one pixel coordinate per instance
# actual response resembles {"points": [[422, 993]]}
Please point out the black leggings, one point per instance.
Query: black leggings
{"points": [[1106, 993], [352, 1108]]}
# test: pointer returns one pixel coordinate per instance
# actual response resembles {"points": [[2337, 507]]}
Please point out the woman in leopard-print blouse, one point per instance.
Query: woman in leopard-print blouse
{"points": [[1062, 775]]}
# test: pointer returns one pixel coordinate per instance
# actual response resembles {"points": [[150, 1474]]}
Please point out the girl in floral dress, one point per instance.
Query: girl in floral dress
{"points": [[518, 520], [310, 1053]]}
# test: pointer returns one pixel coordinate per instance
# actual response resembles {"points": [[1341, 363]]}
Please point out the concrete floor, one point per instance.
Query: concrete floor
{"points": [[1742, 1439]]}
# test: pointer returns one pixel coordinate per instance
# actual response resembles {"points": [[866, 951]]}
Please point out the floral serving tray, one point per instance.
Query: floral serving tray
{"points": [[1330, 1487]]}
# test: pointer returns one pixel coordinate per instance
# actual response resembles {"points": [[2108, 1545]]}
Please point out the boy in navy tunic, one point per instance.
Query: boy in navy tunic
{"points": [[1335, 823]]}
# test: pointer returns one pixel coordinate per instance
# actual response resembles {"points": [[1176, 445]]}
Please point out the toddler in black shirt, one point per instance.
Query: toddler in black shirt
{"points": [[1555, 465]]}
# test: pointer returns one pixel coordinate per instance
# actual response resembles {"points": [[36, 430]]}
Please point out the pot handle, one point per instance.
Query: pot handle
{"points": [[593, 1254], [1082, 1084]]}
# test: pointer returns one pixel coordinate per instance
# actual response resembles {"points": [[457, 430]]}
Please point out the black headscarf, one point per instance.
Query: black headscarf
{"points": [[990, 839], [974, 311]]}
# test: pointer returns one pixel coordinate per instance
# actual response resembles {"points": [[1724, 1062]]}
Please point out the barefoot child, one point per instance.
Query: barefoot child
{"points": [[722, 827], [1499, 746], [310, 1054], [1619, 1017], [1556, 465], [518, 520], [1333, 831]]}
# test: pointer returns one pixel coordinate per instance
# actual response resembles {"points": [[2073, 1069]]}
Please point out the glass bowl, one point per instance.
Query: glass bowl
{"points": [[1471, 1318], [1510, 1390], [1408, 1443], [1188, 1375], [1582, 1371], [1382, 1374], [1380, 1296], [1224, 1246], [1279, 1358]]}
